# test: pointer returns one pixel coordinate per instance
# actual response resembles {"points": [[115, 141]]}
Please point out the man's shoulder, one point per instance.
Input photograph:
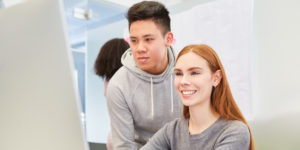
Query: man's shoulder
{"points": [[120, 75], [123, 78], [117, 85]]}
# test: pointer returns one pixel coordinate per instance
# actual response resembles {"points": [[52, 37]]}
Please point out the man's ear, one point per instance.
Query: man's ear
{"points": [[217, 78], [169, 39]]}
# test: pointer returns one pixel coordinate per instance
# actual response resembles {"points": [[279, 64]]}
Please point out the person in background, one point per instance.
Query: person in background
{"points": [[108, 60], [141, 95], [107, 63], [211, 118]]}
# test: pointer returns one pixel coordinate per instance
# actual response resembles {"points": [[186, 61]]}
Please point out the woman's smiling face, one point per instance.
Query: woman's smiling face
{"points": [[193, 79]]}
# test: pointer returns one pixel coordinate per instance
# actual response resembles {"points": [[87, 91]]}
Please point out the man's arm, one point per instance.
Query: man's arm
{"points": [[160, 140], [121, 119]]}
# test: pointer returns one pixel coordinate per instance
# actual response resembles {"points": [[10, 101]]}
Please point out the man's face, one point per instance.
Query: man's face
{"points": [[149, 46]]}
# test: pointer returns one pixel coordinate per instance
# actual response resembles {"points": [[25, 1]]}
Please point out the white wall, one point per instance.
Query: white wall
{"points": [[226, 26], [276, 71], [277, 27]]}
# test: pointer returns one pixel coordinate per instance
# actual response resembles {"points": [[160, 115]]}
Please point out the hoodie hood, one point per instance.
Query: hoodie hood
{"points": [[128, 61]]}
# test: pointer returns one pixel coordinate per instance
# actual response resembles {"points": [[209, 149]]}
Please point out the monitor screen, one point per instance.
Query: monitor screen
{"points": [[39, 103]]}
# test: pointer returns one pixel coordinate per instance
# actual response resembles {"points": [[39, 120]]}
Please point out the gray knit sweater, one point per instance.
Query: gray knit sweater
{"points": [[222, 135]]}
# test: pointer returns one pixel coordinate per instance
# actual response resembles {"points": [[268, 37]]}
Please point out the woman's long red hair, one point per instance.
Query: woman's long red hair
{"points": [[222, 100]]}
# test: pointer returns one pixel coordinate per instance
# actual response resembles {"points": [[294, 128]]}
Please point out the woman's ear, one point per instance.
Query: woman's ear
{"points": [[217, 76], [169, 39]]}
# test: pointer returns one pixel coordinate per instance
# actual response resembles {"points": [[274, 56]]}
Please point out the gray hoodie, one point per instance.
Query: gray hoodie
{"points": [[140, 103]]}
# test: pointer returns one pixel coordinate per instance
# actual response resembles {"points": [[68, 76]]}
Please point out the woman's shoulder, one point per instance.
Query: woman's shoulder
{"points": [[234, 135], [236, 125], [235, 128]]}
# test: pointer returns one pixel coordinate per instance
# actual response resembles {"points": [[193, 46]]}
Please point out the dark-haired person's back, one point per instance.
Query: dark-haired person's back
{"points": [[108, 60], [107, 63]]}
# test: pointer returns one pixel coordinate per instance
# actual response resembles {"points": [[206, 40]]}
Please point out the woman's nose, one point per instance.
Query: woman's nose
{"points": [[184, 80]]}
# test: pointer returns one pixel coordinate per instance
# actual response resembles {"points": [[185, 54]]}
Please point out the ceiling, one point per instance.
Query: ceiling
{"points": [[102, 13]]}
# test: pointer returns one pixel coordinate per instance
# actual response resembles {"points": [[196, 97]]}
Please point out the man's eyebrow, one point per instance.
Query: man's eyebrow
{"points": [[146, 35]]}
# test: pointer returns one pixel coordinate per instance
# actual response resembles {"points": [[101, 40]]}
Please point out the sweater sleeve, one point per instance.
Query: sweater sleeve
{"points": [[161, 139], [121, 119], [235, 137]]}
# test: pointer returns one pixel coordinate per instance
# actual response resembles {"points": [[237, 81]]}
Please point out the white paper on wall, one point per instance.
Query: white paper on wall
{"points": [[226, 26]]}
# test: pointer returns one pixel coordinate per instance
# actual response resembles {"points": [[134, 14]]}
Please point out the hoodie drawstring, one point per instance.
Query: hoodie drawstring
{"points": [[172, 101], [152, 105], [152, 101]]}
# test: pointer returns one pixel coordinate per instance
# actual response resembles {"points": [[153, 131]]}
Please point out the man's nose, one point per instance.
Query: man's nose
{"points": [[141, 47]]}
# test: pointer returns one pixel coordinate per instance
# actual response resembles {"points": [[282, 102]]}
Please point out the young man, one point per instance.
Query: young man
{"points": [[141, 96]]}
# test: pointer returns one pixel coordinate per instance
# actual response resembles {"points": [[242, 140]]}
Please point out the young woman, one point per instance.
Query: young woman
{"points": [[211, 118]]}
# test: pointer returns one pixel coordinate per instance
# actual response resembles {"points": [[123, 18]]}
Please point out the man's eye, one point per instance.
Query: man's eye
{"points": [[133, 41], [149, 39]]}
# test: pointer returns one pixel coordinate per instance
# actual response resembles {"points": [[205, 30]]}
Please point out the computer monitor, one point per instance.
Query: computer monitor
{"points": [[39, 104]]}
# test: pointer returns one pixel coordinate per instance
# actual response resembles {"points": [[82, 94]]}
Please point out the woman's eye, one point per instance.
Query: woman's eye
{"points": [[178, 73], [194, 73]]}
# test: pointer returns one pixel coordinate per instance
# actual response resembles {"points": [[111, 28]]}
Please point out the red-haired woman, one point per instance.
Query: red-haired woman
{"points": [[211, 118]]}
